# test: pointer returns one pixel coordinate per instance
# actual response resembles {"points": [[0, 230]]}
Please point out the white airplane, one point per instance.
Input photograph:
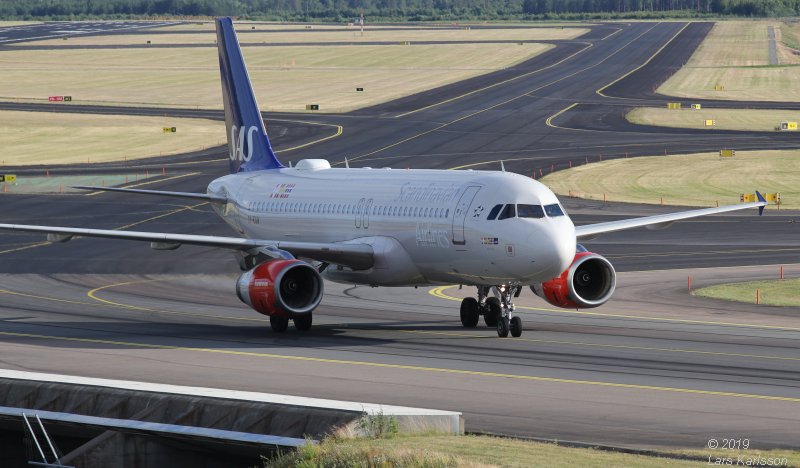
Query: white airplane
{"points": [[494, 230]]}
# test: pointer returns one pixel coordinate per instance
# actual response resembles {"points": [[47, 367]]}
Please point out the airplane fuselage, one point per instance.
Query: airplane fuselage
{"points": [[425, 226]]}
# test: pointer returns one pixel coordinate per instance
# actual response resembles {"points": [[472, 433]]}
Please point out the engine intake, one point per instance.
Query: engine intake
{"points": [[588, 282], [281, 287]]}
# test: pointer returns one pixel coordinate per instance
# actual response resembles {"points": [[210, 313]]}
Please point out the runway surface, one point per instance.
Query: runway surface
{"points": [[655, 367]]}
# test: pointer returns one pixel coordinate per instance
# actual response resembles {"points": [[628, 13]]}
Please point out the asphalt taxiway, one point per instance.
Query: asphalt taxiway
{"points": [[655, 367]]}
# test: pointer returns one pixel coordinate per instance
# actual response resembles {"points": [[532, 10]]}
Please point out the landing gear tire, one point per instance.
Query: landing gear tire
{"points": [[502, 327], [493, 311], [515, 326], [279, 324], [303, 322], [470, 312]]}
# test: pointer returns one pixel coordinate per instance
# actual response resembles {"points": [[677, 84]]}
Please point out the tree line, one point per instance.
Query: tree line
{"points": [[402, 10]]}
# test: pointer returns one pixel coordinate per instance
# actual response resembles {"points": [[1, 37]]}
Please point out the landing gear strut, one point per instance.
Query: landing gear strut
{"points": [[280, 323], [496, 311]]}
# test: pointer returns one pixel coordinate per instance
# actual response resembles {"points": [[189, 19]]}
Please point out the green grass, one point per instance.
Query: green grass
{"points": [[726, 119], [692, 180], [772, 292], [284, 78], [464, 451]]}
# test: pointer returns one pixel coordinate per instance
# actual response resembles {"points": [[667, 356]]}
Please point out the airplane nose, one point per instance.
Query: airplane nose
{"points": [[557, 241], [564, 245], [561, 236]]}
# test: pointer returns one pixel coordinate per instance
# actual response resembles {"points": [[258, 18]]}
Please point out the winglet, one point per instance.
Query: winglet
{"points": [[763, 202]]}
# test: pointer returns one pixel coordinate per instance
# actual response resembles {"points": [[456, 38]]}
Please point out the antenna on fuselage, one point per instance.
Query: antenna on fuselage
{"points": [[346, 164], [290, 164], [502, 166]]}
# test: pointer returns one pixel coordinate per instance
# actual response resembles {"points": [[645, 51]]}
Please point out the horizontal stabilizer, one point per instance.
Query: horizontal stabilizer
{"points": [[195, 196]]}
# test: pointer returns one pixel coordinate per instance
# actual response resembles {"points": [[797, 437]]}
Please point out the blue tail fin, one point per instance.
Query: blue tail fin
{"points": [[248, 144]]}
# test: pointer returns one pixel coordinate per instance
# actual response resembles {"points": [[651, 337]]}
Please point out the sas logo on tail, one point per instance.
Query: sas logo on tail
{"points": [[238, 150]]}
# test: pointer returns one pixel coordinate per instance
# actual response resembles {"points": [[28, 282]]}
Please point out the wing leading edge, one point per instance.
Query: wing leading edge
{"points": [[354, 255], [590, 231]]}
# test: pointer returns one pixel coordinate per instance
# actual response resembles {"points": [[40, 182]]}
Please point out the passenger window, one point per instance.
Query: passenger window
{"points": [[553, 210], [493, 213], [509, 211]]}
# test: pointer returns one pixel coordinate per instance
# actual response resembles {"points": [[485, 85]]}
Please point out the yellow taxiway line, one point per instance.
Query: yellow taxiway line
{"points": [[538, 70], [600, 90], [439, 293], [437, 370]]}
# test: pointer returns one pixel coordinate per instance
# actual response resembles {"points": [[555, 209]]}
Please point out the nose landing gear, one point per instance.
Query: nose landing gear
{"points": [[497, 312]]}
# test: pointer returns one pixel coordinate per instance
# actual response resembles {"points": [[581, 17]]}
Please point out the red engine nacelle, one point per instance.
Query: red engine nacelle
{"points": [[588, 282], [281, 287]]}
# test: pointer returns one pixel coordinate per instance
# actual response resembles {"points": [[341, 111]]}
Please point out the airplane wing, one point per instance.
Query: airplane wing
{"points": [[192, 195], [353, 255], [591, 231]]}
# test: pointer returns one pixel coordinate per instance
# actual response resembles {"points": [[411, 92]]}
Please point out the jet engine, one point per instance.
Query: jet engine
{"points": [[588, 282], [286, 288]]}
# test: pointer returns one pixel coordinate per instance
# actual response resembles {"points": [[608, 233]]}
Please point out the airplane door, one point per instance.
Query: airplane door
{"points": [[367, 207], [358, 212], [235, 213], [460, 215]]}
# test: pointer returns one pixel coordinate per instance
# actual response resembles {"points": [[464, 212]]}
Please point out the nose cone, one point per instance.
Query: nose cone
{"points": [[565, 243], [560, 242]]}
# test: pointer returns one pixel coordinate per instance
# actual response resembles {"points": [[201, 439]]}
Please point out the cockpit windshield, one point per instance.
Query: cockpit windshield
{"points": [[508, 212], [524, 211], [530, 211], [553, 210], [493, 213]]}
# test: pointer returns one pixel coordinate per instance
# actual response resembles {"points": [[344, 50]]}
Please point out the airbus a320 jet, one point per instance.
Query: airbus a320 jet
{"points": [[494, 230]]}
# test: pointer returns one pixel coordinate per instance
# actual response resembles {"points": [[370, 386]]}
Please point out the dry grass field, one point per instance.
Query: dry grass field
{"points": [[284, 78], [734, 44], [735, 57], [470, 451], [774, 292], [329, 34], [265, 25], [692, 180], [30, 138], [8, 24], [725, 119]]}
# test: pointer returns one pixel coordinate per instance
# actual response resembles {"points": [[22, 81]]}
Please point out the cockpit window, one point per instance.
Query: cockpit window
{"points": [[530, 211], [509, 211], [553, 210], [493, 213]]}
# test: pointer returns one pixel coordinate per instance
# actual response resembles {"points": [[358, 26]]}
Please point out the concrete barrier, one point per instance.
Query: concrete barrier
{"points": [[111, 414]]}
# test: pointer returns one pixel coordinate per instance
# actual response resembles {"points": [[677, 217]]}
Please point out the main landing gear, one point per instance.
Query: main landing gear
{"points": [[280, 323], [496, 311]]}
